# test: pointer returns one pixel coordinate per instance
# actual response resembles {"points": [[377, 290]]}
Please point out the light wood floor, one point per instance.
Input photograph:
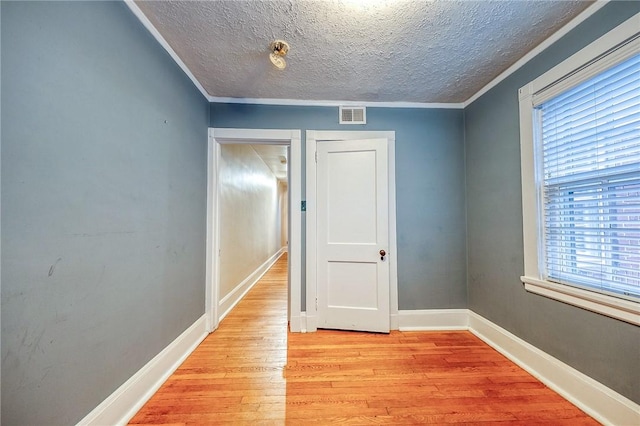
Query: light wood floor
{"points": [[247, 373]]}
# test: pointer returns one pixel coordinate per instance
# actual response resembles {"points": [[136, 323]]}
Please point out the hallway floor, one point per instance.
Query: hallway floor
{"points": [[241, 374]]}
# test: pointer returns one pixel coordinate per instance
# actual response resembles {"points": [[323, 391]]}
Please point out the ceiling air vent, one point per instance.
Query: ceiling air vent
{"points": [[353, 115]]}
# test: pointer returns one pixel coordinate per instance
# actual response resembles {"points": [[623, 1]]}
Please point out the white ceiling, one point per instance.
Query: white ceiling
{"points": [[385, 51], [275, 157]]}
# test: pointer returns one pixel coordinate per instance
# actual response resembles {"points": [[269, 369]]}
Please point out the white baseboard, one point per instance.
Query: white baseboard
{"points": [[295, 323], [394, 321], [433, 319], [126, 401], [591, 396], [228, 302], [311, 322], [298, 324]]}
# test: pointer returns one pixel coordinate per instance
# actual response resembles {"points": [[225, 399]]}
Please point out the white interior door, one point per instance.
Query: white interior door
{"points": [[353, 235]]}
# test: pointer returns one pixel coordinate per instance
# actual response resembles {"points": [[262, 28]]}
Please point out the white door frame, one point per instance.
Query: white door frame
{"points": [[312, 138], [217, 137]]}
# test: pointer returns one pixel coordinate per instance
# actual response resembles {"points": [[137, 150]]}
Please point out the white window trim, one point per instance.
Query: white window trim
{"points": [[614, 307]]}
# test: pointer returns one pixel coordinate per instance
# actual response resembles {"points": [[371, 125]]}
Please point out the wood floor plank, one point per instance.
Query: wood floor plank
{"points": [[251, 371]]}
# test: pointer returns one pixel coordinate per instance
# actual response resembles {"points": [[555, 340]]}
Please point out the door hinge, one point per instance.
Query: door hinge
{"points": [[316, 303], [316, 156]]}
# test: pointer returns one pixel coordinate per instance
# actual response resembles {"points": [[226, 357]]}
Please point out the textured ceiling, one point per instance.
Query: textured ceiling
{"points": [[382, 51]]}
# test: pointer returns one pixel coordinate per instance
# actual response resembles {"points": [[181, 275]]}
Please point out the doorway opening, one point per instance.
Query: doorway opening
{"points": [[220, 295]]}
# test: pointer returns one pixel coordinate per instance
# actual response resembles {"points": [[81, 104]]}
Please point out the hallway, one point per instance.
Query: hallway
{"points": [[240, 375]]}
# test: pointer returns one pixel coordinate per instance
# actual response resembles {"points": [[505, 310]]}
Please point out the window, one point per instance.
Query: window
{"points": [[590, 138], [580, 140]]}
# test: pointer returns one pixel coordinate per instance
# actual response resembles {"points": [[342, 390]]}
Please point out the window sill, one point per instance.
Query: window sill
{"points": [[613, 307]]}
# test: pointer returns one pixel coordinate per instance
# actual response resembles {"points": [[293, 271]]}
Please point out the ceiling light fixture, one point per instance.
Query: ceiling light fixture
{"points": [[279, 49]]}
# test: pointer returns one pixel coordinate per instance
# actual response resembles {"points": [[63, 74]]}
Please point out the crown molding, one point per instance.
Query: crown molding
{"points": [[156, 34], [328, 103]]}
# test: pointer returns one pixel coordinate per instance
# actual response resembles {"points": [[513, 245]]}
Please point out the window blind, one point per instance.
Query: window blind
{"points": [[591, 182]]}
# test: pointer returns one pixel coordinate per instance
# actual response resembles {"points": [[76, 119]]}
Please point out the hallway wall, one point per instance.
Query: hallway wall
{"points": [[249, 215]]}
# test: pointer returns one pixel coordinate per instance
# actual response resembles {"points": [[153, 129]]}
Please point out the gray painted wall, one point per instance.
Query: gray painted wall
{"points": [[606, 349], [103, 205], [430, 189]]}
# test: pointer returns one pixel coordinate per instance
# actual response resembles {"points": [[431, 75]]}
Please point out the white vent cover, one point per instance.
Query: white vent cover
{"points": [[353, 115]]}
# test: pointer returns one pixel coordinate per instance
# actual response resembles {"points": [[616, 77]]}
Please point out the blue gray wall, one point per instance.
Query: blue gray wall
{"points": [[606, 349], [430, 189], [104, 145]]}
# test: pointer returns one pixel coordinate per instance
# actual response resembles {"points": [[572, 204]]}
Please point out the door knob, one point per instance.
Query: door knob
{"points": [[382, 254]]}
